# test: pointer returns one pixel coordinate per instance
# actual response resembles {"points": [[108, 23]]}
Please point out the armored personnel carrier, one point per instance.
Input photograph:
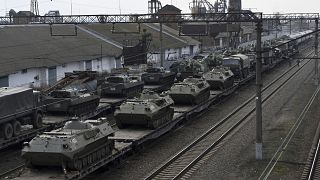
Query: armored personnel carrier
{"points": [[149, 109], [71, 101], [75, 146], [219, 78], [158, 76], [190, 91], [120, 85]]}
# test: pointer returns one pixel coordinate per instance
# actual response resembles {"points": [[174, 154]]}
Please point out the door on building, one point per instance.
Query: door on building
{"points": [[52, 75], [88, 65], [4, 81], [191, 50]]}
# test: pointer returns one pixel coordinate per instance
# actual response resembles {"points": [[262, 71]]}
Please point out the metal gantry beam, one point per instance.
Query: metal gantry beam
{"points": [[246, 16], [290, 16]]}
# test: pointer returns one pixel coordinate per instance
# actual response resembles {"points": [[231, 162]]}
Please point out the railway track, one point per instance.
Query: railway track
{"points": [[22, 166], [312, 168], [185, 162], [5, 174]]}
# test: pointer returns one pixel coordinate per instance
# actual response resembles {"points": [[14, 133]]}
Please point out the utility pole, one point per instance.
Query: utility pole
{"points": [[258, 94], [290, 26], [71, 7], [161, 46], [316, 53]]}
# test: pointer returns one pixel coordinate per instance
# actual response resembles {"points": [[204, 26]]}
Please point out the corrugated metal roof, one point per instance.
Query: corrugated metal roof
{"points": [[29, 46], [171, 38]]}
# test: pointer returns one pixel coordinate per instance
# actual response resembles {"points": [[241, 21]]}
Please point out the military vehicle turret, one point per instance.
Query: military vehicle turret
{"points": [[71, 101], [189, 68], [219, 78], [75, 146], [120, 85], [158, 76], [149, 109], [190, 91]]}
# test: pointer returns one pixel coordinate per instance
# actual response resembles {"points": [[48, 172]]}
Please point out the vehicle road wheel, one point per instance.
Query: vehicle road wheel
{"points": [[37, 122], [89, 158], [7, 131], [78, 165], [16, 128], [84, 161]]}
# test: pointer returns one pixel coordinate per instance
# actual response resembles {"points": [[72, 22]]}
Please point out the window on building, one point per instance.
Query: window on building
{"points": [[23, 71]]}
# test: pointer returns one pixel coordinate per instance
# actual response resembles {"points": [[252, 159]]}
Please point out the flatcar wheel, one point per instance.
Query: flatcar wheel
{"points": [[16, 128], [7, 130]]}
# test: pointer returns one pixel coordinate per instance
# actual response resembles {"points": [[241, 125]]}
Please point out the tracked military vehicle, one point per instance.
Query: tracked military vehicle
{"points": [[189, 68], [190, 91], [75, 146], [220, 78], [71, 101], [120, 85], [158, 76], [149, 109]]}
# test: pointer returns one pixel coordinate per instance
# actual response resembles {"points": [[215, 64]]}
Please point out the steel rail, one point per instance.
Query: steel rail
{"points": [[315, 162], [274, 160], [8, 172], [219, 124]]}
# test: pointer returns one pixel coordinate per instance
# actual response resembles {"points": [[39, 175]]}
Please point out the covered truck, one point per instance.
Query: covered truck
{"points": [[19, 106], [239, 65]]}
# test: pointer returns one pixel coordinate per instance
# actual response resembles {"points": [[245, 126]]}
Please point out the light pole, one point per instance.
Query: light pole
{"points": [[258, 94], [71, 6]]}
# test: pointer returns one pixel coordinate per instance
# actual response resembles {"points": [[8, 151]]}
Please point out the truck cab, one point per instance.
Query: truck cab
{"points": [[239, 65]]}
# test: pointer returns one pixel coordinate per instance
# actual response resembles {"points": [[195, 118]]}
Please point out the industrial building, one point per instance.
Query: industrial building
{"points": [[37, 55]]}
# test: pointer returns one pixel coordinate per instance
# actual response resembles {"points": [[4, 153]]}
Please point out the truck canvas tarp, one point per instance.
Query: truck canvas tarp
{"points": [[15, 101]]}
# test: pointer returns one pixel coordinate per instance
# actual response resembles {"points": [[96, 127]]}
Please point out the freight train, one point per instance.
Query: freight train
{"points": [[195, 84]]}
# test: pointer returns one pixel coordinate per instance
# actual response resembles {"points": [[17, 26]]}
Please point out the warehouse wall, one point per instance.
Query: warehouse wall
{"points": [[38, 77], [172, 55], [26, 77]]}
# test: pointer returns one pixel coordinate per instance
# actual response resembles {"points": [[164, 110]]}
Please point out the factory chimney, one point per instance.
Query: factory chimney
{"points": [[235, 6]]}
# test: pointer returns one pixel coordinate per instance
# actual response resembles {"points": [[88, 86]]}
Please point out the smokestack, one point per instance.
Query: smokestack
{"points": [[235, 5]]}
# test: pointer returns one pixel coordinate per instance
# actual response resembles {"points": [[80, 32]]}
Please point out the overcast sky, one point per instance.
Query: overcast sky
{"points": [[141, 6]]}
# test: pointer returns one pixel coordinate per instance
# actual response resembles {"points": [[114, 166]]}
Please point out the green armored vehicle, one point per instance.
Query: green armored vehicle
{"points": [[75, 146], [191, 67], [190, 91], [158, 76], [149, 109], [19, 106], [71, 102], [154, 76], [120, 85], [219, 78]]}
